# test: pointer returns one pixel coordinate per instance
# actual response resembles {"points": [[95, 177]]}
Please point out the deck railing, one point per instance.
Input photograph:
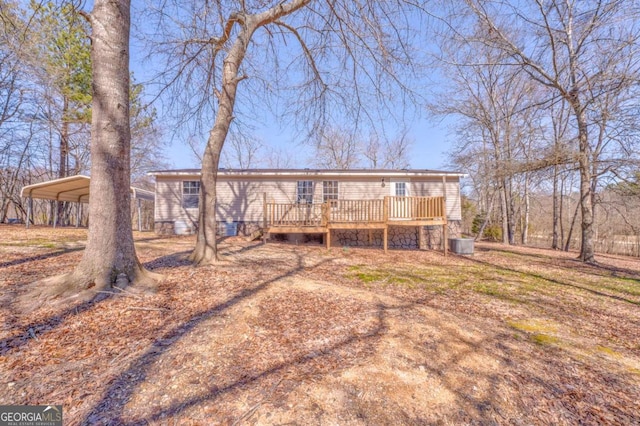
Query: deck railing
{"points": [[293, 214], [415, 208], [348, 211], [391, 208]]}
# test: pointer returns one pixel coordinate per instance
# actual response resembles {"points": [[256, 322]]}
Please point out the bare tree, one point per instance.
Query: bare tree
{"points": [[492, 104], [580, 50], [336, 148], [388, 153], [278, 158], [241, 151], [109, 258], [339, 57]]}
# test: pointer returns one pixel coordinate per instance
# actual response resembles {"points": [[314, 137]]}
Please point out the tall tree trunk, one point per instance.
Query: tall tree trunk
{"points": [[504, 212], [561, 214], [511, 215], [525, 225], [587, 248], [206, 250], [109, 258], [556, 210], [64, 155], [567, 245]]}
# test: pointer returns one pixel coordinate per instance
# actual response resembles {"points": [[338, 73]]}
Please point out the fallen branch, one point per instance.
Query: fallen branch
{"points": [[128, 292]]}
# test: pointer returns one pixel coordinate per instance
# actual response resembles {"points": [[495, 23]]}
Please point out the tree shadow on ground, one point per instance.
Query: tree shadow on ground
{"points": [[554, 280], [110, 408], [597, 268], [44, 256], [173, 260], [60, 252], [181, 259], [32, 330], [314, 354]]}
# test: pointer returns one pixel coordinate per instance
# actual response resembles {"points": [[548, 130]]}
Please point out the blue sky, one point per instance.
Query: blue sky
{"points": [[428, 151]]}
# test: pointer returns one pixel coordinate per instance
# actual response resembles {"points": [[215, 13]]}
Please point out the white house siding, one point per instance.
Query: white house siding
{"points": [[240, 197], [434, 188]]}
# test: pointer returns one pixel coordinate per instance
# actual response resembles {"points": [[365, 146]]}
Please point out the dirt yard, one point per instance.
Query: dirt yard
{"points": [[298, 335]]}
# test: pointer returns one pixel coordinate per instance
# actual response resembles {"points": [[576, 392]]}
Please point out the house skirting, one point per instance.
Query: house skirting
{"points": [[399, 237]]}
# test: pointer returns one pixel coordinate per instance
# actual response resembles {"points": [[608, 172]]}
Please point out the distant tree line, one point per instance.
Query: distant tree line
{"points": [[546, 93]]}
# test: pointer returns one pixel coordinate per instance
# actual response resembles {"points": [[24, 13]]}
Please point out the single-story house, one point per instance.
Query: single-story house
{"points": [[413, 208]]}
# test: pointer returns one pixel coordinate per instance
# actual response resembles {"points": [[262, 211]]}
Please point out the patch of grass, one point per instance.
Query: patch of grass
{"points": [[539, 332], [544, 339], [32, 242], [369, 277], [489, 290], [608, 351], [533, 326]]}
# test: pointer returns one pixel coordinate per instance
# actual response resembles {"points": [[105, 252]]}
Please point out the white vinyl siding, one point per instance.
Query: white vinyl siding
{"points": [[240, 198], [434, 187]]}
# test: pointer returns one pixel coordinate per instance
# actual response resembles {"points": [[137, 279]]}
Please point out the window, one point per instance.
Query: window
{"points": [[329, 190], [305, 191], [190, 194], [401, 189]]}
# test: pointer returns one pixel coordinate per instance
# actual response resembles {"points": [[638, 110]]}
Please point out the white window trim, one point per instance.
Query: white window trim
{"points": [[392, 187], [337, 192], [312, 189], [183, 194]]}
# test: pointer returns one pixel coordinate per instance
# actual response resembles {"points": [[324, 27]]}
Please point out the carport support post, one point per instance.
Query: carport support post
{"points": [[29, 210], [54, 212], [78, 214], [139, 217]]}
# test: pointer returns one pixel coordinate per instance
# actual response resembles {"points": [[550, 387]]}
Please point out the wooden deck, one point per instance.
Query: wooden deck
{"points": [[321, 218]]}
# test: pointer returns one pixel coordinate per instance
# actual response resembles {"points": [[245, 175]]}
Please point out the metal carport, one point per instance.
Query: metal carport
{"points": [[74, 189]]}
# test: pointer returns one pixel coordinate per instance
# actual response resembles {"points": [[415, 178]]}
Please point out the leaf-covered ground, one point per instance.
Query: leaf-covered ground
{"points": [[287, 334]]}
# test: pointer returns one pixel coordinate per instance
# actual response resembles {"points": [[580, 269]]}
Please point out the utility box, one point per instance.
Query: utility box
{"points": [[231, 229], [180, 227], [461, 245]]}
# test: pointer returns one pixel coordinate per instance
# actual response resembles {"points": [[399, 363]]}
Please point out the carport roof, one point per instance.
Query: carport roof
{"points": [[72, 188]]}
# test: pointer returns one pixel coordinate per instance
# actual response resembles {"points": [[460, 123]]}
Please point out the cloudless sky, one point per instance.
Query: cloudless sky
{"points": [[428, 150]]}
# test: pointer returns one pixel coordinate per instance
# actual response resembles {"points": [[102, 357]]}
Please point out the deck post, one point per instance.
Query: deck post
{"points": [[444, 215], [328, 234], [385, 209], [384, 237]]}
